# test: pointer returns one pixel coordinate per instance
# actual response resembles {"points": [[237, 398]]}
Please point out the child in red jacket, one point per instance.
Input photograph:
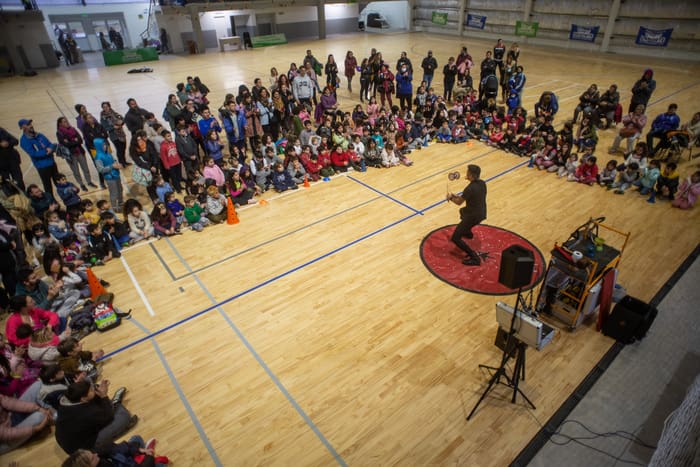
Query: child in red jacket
{"points": [[587, 172]]}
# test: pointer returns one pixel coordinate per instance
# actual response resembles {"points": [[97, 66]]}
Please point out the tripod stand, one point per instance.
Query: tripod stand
{"points": [[513, 347]]}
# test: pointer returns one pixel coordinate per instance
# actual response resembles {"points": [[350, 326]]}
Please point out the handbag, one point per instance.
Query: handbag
{"points": [[64, 153], [628, 131], [141, 176]]}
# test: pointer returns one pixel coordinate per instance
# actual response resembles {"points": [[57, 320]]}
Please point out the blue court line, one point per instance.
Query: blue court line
{"points": [[181, 394], [260, 361], [281, 275], [162, 261], [384, 195], [292, 232], [274, 239]]}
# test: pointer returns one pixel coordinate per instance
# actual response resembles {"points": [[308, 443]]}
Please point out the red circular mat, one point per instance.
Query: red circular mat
{"points": [[444, 259]]}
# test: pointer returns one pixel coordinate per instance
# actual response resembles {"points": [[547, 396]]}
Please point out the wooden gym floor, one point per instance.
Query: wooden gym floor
{"points": [[311, 333]]}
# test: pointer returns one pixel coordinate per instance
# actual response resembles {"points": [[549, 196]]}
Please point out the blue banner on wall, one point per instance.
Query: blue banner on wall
{"points": [[476, 21], [583, 33], [653, 37]]}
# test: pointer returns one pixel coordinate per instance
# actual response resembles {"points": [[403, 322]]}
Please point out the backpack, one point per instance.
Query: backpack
{"points": [[166, 115], [104, 315]]}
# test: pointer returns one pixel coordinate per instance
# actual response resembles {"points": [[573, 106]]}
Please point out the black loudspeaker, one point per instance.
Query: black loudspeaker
{"points": [[630, 320], [517, 264]]}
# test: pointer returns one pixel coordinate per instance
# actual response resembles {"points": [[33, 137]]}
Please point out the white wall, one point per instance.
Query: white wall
{"points": [[396, 13]]}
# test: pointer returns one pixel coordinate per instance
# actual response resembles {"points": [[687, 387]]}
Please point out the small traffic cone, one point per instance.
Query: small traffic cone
{"points": [[263, 202], [306, 181], [96, 288], [231, 216]]}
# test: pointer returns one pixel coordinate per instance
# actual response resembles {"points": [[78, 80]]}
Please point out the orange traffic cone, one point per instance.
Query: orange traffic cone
{"points": [[306, 181], [231, 217], [96, 288], [263, 202]]}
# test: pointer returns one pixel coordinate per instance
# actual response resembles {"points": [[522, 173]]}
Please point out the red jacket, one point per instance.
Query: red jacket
{"points": [[169, 155], [340, 159], [324, 159], [40, 318]]}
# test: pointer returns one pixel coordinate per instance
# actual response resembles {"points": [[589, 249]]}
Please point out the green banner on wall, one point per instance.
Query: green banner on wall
{"points": [[523, 28], [439, 18], [267, 40], [120, 57]]}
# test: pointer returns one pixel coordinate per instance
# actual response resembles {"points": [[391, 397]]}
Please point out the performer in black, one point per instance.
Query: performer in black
{"points": [[472, 214]]}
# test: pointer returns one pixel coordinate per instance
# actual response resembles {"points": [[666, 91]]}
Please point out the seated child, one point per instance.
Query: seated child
{"points": [[57, 227], [162, 187], [281, 179], [67, 191], [164, 223], [77, 363], [373, 155], [140, 225], [545, 158], [195, 215], [389, 157], [339, 159], [666, 184], [239, 191], [42, 342], [216, 205], [53, 385], [324, 161], [626, 178], [101, 246], [648, 178], [444, 134], [116, 228], [90, 212], [175, 207], [297, 171], [688, 192], [587, 172], [609, 174]]}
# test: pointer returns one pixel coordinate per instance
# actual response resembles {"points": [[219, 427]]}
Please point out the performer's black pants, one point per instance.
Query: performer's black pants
{"points": [[464, 229]]}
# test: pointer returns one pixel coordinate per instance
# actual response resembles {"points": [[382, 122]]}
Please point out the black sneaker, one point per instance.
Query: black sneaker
{"points": [[471, 261], [104, 283], [118, 396]]}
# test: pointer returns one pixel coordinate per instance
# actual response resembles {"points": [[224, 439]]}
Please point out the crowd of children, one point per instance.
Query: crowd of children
{"points": [[265, 139]]}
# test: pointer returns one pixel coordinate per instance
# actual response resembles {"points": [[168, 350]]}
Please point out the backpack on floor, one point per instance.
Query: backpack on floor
{"points": [[104, 314]]}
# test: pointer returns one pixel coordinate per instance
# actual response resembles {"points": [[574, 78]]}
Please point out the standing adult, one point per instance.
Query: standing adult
{"points": [[62, 44], [404, 60], [331, 70], [488, 66], [303, 88], [116, 38], [69, 137], [350, 68], [41, 151], [449, 72], [429, 65], [514, 52], [10, 161], [404, 86], [517, 82], [499, 51], [643, 89], [471, 214], [135, 117], [114, 124], [174, 109], [464, 63]]}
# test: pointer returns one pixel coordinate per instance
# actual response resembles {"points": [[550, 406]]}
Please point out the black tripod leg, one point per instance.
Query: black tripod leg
{"points": [[520, 367], [496, 376]]}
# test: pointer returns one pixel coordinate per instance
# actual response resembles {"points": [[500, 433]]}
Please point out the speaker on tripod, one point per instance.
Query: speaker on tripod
{"points": [[517, 264]]}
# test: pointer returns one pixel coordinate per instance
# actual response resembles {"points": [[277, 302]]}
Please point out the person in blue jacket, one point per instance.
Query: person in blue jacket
{"points": [[547, 106], [662, 124], [517, 81], [41, 151], [109, 169], [404, 86]]}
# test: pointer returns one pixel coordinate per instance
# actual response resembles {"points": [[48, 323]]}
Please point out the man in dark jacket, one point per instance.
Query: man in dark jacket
{"points": [[135, 117], [9, 159], [88, 419], [429, 65]]}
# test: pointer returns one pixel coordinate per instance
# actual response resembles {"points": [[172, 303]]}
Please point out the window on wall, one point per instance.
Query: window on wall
{"points": [[76, 29], [115, 24]]}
